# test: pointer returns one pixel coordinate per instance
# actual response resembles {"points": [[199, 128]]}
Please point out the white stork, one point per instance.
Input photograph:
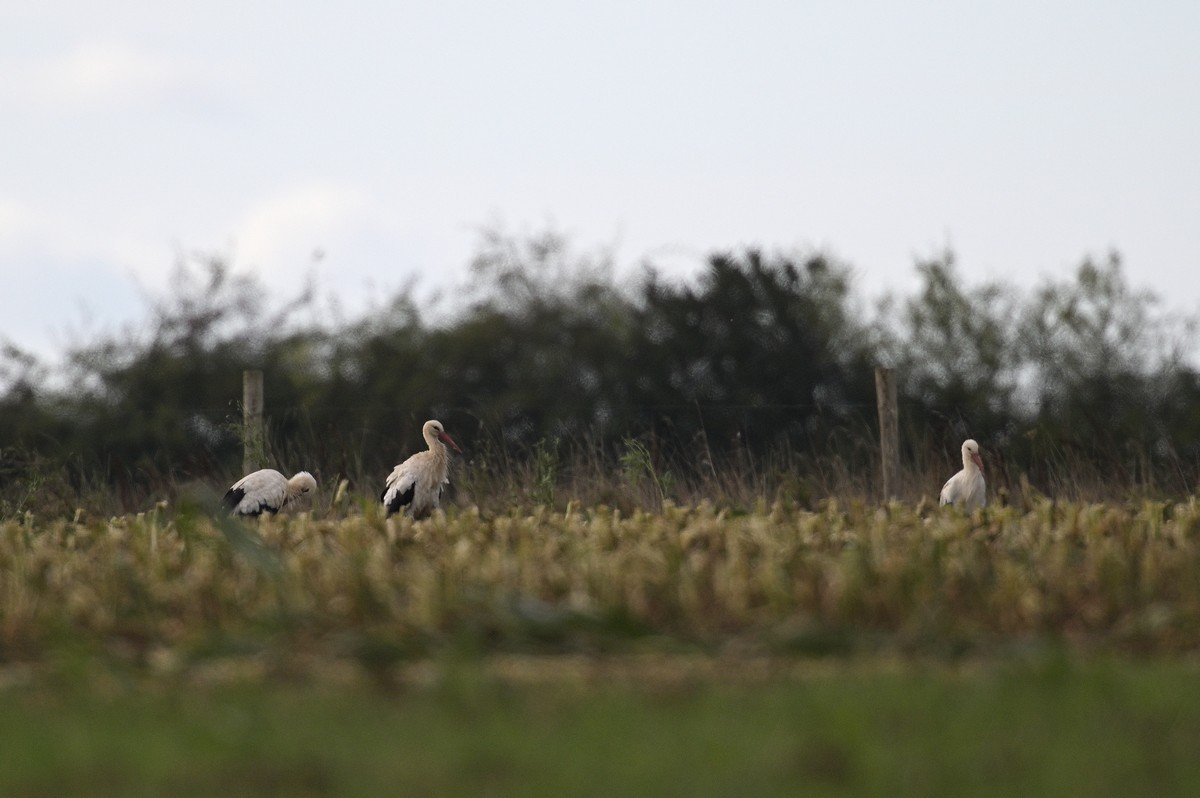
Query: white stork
{"points": [[966, 489], [419, 480], [268, 491]]}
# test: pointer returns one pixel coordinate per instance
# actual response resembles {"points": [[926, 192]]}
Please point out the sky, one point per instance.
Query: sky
{"points": [[365, 145]]}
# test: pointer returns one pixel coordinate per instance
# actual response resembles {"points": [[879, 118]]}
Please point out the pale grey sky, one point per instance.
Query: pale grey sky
{"points": [[1022, 135]]}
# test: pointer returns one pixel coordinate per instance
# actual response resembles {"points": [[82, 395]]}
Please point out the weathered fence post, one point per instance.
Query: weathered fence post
{"points": [[889, 434], [252, 420]]}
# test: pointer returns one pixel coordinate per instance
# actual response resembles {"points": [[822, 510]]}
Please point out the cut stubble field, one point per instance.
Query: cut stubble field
{"points": [[848, 650]]}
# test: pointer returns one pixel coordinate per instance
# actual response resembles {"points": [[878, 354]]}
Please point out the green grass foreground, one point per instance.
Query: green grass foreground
{"points": [[1040, 727]]}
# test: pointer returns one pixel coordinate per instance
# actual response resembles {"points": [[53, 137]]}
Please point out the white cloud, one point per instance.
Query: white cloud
{"points": [[104, 74], [56, 279], [107, 71], [34, 237], [285, 232], [17, 221]]}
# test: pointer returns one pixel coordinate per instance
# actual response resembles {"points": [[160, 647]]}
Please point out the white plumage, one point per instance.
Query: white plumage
{"points": [[268, 491], [419, 480], [967, 488]]}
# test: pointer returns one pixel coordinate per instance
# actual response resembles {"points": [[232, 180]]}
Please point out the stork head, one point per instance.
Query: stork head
{"points": [[302, 483], [970, 453], [434, 430]]}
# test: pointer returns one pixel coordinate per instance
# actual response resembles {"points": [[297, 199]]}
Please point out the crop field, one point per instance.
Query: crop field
{"points": [[852, 649]]}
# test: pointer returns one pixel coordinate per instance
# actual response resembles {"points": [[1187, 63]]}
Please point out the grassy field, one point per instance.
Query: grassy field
{"points": [[1047, 649], [1046, 729]]}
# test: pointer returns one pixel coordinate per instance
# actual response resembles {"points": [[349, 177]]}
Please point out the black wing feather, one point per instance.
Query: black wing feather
{"points": [[401, 499], [234, 496]]}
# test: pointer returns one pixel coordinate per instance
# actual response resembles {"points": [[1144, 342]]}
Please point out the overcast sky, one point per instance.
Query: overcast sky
{"points": [[1024, 136]]}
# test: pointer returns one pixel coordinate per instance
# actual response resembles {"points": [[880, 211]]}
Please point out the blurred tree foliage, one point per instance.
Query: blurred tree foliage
{"points": [[761, 351], [758, 355]]}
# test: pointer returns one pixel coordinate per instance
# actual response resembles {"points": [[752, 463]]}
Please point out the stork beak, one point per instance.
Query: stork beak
{"points": [[978, 460], [446, 439]]}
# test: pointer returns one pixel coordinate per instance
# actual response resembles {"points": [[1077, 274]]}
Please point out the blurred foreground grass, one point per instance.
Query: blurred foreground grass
{"points": [[172, 590], [1036, 727]]}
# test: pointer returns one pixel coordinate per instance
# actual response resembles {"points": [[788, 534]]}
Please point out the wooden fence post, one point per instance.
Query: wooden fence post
{"points": [[889, 433], [253, 454]]}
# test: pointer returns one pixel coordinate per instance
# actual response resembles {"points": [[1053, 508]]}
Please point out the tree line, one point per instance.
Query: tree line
{"points": [[759, 358]]}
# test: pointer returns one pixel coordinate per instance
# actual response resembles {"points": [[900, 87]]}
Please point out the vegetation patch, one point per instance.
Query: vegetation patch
{"points": [[171, 591]]}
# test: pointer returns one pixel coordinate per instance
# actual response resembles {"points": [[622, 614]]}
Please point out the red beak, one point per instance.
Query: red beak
{"points": [[978, 460], [446, 439]]}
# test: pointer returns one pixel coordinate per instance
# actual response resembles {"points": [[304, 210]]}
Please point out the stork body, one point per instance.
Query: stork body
{"points": [[967, 488], [268, 491], [418, 482]]}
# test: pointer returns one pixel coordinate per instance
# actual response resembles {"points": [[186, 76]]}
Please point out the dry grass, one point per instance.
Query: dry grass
{"points": [[179, 590]]}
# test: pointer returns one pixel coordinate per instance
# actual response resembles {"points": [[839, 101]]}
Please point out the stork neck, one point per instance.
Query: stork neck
{"points": [[437, 447]]}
